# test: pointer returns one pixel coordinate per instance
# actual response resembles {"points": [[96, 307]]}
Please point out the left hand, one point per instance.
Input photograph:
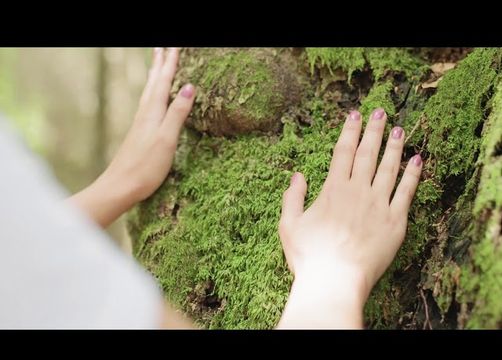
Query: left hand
{"points": [[146, 155]]}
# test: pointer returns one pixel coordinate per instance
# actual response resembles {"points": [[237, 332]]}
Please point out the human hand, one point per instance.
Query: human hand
{"points": [[147, 153], [339, 247]]}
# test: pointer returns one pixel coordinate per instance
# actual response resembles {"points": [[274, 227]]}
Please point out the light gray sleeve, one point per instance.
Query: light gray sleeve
{"points": [[58, 269]]}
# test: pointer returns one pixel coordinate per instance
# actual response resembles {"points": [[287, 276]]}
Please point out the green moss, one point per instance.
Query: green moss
{"points": [[481, 286], [456, 111], [379, 96], [453, 117], [247, 81], [242, 181], [490, 193], [347, 59], [385, 60], [427, 208], [229, 195], [383, 305], [381, 61], [447, 279], [412, 118], [482, 277]]}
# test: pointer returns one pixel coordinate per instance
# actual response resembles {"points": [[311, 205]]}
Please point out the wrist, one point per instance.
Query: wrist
{"points": [[111, 197], [324, 296], [340, 283], [116, 189]]}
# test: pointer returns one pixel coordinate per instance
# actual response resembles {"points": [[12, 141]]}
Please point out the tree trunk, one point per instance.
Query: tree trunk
{"points": [[209, 234]]}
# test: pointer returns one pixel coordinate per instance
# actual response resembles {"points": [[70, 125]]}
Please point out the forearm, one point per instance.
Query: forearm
{"points": [[173, 319], [328, 302], [104, 200]]}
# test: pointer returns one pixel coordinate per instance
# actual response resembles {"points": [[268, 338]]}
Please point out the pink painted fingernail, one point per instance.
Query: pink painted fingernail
{"points": [[417, 160], [157, 50], [397, 133], [378, 114], [187, 91], [355, 115]]}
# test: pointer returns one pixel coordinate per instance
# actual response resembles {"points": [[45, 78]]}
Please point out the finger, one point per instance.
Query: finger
{"points": [[164, 80], [345, 149], [407, 187], [157, 63], [367, 152], [178, 112], [385, 178], [293, 199]]}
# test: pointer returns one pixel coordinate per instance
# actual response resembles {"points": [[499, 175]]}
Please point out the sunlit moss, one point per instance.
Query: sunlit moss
{"points": [[229, 196]]}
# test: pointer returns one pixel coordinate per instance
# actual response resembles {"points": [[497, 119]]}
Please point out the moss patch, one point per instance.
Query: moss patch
{"points": [[379, 96], [382, 61], [481, 280], [456, 111], [233, 191], [387, 60], [211, 230], [240, 91], [347, 59]]}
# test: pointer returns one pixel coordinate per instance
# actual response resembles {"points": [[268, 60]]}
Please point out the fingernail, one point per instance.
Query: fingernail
{"points": [[157, 50], [378, 114], [294, 178], [187, 91], [397, 133], [355, 115], [417, 160]]}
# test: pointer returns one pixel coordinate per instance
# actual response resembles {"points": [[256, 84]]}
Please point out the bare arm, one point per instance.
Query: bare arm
{"points": [[144, 158]]}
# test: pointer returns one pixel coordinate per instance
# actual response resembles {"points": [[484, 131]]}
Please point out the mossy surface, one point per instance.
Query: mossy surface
{"points": [[210, 233], [233, 191], [379, 96], [456, 111], [253, 94], [239, 91], [382, 61], [347, 59], [480, 288]]}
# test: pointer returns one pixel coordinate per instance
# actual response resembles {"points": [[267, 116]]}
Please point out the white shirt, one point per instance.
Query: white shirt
{"points": [[57, 268]]}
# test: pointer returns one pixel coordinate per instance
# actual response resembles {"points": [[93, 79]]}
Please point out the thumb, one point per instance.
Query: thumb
{"points": [[294, 198]]}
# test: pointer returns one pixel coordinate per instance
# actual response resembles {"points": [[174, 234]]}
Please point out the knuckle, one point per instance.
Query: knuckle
{"points": [[167, 141], [181, 106], [388, 168], [166, 73], [375, 126], [394, 145], [286, 194], [413, 175], [350, 127], [344, 148], [407, 191], [283, 228], [365, 152]]}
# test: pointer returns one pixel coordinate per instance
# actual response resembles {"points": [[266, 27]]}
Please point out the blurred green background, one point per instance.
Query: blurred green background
{"points": [[73, 106]]}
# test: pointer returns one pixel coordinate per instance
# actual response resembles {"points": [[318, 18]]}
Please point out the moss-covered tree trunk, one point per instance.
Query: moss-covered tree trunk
{"points": [[210, 233]]}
